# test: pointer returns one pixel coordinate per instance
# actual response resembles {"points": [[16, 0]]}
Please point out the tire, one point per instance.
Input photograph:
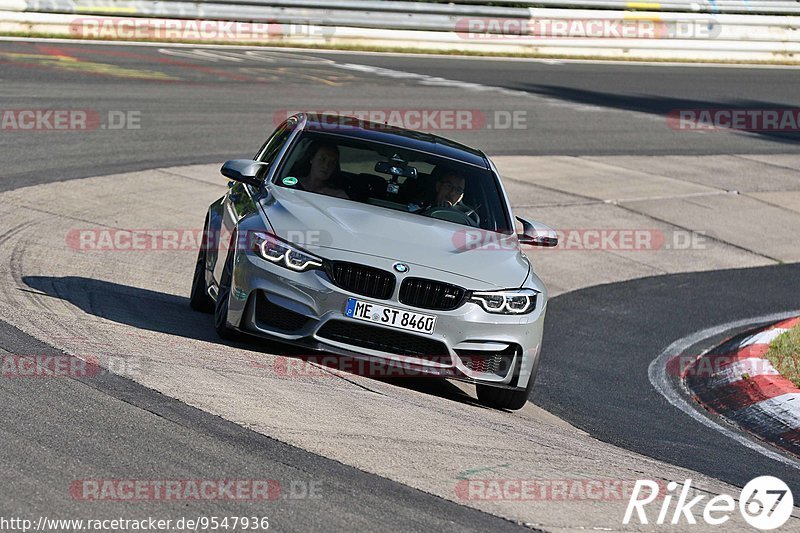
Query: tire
{"points": [[223, 299], [199, 300], [511, 399]]}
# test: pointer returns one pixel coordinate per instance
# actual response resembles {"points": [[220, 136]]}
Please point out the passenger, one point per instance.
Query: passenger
{"points": [[323, 165]]}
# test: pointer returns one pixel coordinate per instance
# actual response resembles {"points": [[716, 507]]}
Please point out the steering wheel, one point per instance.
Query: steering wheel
{"points": [[452, 214], [472, 214]]}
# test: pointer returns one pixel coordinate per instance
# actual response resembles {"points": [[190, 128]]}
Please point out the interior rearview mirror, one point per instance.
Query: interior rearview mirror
{"points": [[537, 234], [395, 169]]}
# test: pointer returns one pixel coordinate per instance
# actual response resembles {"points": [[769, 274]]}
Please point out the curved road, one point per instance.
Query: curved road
{"points": [[599, 341], [180, 93]]}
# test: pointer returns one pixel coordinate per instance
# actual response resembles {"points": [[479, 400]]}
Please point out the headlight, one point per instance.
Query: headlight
{"points": [[282, 253], [510, 302]]}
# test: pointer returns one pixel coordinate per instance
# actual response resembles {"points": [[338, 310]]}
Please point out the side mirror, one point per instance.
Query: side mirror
{"points": [[537, 234], [245, 171]]}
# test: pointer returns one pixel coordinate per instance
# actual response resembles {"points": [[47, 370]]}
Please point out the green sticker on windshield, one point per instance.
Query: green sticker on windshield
{"points": [[290, 180]]}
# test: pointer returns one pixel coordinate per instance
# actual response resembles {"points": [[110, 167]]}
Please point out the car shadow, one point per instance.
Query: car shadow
{"points": [[170, 314]]}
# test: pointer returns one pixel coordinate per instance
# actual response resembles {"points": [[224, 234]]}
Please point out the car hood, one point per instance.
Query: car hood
{"points": [[318, 223]]}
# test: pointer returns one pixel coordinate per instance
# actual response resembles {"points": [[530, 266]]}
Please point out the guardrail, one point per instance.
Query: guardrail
{"points": [[468, 7], [752, 7], [470, 27]]}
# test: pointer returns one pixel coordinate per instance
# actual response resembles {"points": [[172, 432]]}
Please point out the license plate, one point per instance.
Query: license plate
{"points": [[389, 316]]}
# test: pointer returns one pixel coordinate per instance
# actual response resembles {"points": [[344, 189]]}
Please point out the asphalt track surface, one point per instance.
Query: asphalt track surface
{"points": [[200, 106], [194, 109], [601, 340], [51, 438]]}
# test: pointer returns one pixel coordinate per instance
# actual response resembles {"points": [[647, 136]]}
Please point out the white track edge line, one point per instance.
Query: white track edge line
{"points": [[657, 373]]}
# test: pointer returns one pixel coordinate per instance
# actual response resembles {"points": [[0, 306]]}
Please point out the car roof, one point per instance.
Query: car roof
{"points": [[356, 128]]}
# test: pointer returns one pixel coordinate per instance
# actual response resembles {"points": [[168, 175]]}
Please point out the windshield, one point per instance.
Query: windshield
{"points": [[395, 178]]}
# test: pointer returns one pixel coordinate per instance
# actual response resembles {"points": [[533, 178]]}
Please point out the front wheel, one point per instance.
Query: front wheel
{"points": [[199, 300], [223, 298]]}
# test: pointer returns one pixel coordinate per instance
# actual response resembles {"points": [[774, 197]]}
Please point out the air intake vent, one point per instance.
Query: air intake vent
{"points": [[384, 340], [273, 316], [487, 362]]}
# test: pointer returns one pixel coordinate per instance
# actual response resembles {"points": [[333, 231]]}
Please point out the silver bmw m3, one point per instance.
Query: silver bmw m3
{"points": [[378, 243]]}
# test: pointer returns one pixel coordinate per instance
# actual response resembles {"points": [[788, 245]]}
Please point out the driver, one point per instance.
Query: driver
{"points": [[449, 189]]}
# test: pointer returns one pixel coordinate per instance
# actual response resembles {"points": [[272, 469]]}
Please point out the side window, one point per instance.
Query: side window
{"points": [[278, 139]]}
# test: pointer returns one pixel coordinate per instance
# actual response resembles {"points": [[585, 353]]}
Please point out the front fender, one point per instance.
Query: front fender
{"points": [[248, 224], [213, 236]]}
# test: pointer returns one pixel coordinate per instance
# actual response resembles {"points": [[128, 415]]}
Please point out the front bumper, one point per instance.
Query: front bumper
{"points": [[307, 309]]}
